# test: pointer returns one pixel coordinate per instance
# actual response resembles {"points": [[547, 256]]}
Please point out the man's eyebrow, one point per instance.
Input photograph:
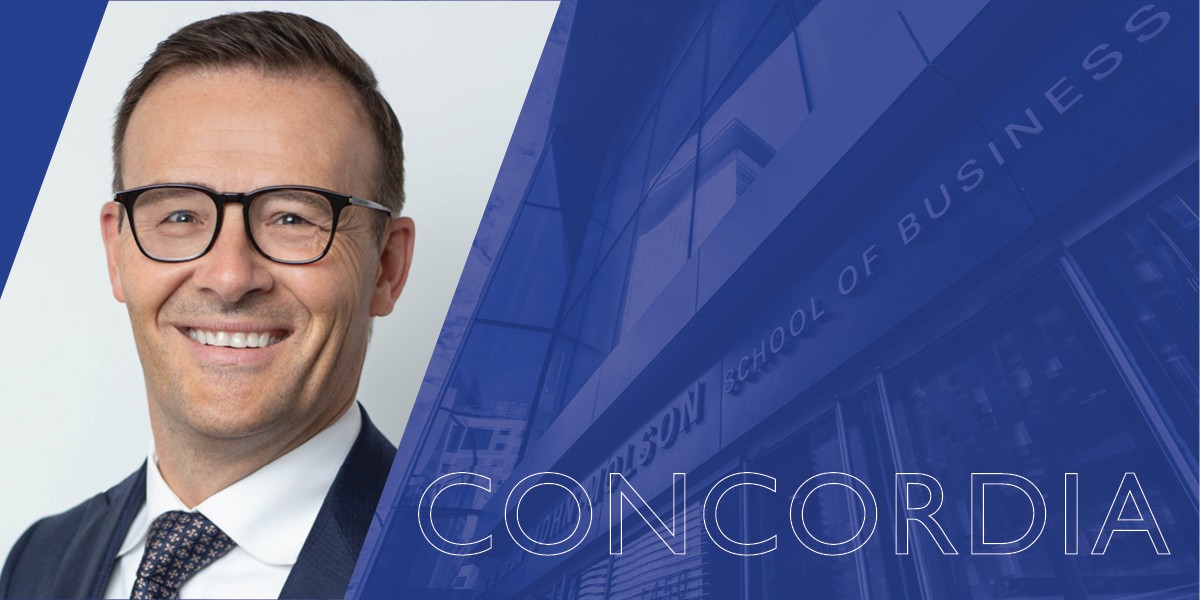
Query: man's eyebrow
{"points": [[300, 195], [177, 182]]}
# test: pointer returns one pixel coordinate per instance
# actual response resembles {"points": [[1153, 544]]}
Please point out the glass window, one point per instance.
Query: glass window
{"points": [[565, 372], [583, 364], [528, 283], [496, 376], [734, 22], [624, 194], [742, 134], [1027, 390], [478, 439], [456, 436], [832, 35], [570, 365], [1143, 266], [663, 232], [553, 394], [830, 512], [679, 105], [681, 34], [627, 189], [615, 205], [848, 439], [801, 8], [585, 265], [599, 322], [544, 190], [730, 66]]}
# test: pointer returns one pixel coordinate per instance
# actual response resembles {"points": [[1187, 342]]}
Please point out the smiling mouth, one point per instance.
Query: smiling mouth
{"points": [[237, 339]]}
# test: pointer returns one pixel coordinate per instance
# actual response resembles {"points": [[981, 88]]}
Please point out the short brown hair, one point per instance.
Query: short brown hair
{"points": [[278, 43]]}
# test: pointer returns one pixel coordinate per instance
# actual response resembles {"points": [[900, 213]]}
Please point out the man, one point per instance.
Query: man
{"points": [[254, 235]]}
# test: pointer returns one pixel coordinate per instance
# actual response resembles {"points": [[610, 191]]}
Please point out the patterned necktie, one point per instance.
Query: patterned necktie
{"points": [[178, 545]]}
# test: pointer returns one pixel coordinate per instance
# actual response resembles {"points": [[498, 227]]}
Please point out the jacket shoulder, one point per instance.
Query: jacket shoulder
{"points": [[44, 556], [327, 560]]}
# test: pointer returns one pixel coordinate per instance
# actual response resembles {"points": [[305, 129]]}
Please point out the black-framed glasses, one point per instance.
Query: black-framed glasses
{"points": [[290, 224]]}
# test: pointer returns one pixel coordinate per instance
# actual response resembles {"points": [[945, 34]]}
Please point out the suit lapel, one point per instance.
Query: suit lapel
{"points": [[92, 552], [327, 558]]}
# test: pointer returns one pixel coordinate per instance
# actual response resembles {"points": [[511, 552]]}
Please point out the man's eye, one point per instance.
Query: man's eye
{"points": [[181, 216], [291, 219]]}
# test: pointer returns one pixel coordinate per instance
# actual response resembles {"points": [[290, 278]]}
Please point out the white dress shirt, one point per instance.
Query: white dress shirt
{"points": [[268, 514]]}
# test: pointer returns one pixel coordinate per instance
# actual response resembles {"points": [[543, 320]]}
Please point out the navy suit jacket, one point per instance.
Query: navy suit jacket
{"points": [[72, 555]]}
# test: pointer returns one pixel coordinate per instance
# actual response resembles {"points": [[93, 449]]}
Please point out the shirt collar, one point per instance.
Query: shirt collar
{"points": [[269, 512]]}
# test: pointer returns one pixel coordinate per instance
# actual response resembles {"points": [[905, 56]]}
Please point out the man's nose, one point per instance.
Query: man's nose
{"points": [[232, 268]]}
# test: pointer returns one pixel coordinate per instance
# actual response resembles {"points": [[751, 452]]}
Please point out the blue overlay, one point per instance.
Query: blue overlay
{"points": [[831, 299]]}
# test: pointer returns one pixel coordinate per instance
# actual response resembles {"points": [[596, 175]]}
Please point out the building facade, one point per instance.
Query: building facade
{"points": [[792, 237]]}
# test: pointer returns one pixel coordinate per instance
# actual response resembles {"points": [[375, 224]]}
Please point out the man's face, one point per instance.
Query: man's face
{"points": [[236, 130]]}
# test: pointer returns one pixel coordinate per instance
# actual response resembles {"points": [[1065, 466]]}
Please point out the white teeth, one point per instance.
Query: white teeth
{"points": [[238, 339]]}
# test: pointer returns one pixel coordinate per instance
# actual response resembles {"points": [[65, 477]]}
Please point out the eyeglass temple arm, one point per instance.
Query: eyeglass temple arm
{"points": [[375, 205]]}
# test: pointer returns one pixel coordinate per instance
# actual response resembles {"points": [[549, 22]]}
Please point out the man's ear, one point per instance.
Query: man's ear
{"points": [[110, 230], [395, 258]]}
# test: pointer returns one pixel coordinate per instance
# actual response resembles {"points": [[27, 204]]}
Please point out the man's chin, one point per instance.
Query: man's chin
{"points": [[231, 415]]}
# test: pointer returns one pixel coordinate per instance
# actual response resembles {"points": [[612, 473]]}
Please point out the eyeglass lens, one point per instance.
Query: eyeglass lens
{"points": [[179, 223]]}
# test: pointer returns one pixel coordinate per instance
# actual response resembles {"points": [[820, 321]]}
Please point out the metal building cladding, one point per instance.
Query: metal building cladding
{"points": [[871, 237]]}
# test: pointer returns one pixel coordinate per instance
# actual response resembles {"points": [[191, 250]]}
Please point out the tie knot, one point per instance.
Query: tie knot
{"points": [[179, 544]]}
